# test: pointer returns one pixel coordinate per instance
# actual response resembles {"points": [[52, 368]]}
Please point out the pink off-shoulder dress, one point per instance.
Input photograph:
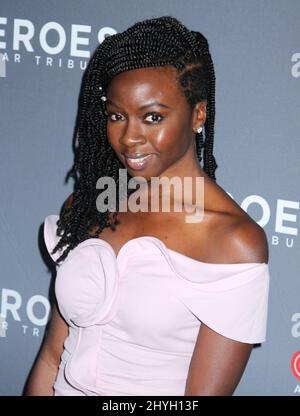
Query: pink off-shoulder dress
{"points": [[134, 318]]}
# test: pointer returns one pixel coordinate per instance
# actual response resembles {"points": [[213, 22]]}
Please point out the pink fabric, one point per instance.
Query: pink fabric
{"points": [[134, 318]]}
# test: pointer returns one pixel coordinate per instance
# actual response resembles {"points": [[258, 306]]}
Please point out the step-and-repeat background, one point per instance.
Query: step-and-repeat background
{"points": [[44, 49]]}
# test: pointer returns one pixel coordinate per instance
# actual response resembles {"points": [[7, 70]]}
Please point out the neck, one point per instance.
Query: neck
{"points": [[185, 177]]}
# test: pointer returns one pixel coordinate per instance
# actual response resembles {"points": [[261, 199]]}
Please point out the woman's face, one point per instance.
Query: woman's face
{"points": [[149, 122]]}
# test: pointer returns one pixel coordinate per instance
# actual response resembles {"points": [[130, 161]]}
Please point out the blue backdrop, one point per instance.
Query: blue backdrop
{"points": [[44, 48]]}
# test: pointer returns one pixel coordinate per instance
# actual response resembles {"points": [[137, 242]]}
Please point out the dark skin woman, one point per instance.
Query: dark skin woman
{"points": [[148, 113]]}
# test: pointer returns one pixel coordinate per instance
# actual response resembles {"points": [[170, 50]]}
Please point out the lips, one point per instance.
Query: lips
{"points": [[135, 155], [137, 161]]}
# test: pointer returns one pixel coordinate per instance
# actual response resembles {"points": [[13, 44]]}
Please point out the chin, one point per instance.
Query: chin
{"points": [[140, 174]]}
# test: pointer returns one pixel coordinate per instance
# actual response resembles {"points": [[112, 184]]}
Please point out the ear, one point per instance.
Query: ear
{"points": [[199, 115]]}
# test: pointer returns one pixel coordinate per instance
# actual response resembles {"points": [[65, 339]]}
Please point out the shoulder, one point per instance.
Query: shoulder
{"points": [[68, 202], [244, 241], [233, 235]]}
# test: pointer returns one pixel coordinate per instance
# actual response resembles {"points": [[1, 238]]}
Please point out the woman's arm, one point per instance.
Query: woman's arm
{"points": [[217, 364], [44, 372]]}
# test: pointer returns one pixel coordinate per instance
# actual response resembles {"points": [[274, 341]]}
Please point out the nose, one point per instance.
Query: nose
{"points": [[132, 135]]}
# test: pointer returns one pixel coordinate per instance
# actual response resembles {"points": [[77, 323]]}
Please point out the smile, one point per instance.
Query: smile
{"points": [[138, 163]]}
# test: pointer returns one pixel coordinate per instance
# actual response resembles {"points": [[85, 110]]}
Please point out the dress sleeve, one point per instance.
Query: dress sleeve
{"points": [[235, 305], [50, 237]]}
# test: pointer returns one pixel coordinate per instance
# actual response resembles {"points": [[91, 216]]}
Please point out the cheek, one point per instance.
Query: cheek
{"points": [[168, 139]]}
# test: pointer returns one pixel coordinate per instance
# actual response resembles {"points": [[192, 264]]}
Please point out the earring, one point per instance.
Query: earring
{"points": [[199, 130]]}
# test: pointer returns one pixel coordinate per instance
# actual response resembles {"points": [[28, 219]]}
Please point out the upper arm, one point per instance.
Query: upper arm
{"points": [[218, 362], [56, 333], [57, 329], [45, 370]]}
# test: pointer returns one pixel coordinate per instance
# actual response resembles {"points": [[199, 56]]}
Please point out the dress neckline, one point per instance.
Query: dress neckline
{"points": [[163, 246]]}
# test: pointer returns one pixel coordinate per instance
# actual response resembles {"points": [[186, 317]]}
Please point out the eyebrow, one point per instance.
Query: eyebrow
{"points": [[152, 103]]}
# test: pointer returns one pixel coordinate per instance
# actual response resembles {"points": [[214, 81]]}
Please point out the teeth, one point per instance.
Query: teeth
{"points": [[140, 159]]}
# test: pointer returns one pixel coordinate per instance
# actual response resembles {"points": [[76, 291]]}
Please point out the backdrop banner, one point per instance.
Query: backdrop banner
{"points": [[44, 49]]}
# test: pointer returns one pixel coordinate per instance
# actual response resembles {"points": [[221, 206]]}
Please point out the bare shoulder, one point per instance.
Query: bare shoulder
{"points": [[235, 236], [243, 240], [68, 202]]}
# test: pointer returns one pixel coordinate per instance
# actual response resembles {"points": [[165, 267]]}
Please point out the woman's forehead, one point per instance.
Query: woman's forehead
{"points": [[159, 80]]}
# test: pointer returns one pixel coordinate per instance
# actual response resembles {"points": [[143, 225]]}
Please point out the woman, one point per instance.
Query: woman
{"points": [[148, 303]]}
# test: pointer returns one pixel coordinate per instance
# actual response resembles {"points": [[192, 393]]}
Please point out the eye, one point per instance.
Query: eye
{"points": [[109, 115], [155, 117]]}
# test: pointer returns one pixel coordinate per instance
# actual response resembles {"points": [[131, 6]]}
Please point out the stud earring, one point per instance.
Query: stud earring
{"points": [[199, 130]]}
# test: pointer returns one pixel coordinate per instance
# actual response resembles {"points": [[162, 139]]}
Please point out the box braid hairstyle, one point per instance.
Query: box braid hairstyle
{"points": [[150, 43]]}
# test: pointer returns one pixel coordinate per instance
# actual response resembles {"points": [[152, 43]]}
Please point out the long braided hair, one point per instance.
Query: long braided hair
{"points": [[150, 43]]}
